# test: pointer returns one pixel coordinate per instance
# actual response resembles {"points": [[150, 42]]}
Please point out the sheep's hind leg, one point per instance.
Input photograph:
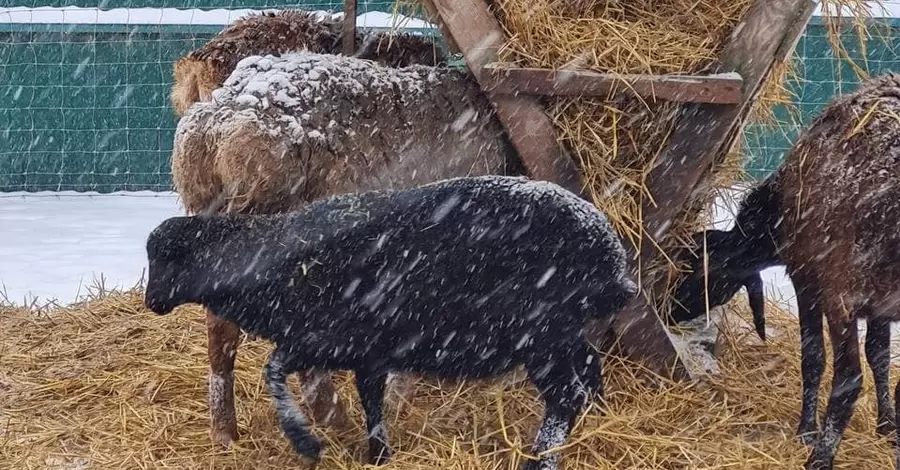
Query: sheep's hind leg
{"points": [[845, 389], [223, 339], [370, 387], [293, 422], [878, 355], [566, 387]]}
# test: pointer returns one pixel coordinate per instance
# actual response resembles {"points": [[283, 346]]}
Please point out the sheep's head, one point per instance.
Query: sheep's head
{"points": [[707, 270], [172, 256]]}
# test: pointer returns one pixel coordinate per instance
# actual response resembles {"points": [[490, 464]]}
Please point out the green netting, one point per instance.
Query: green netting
{"points": [[821, 76], [85, 107]]}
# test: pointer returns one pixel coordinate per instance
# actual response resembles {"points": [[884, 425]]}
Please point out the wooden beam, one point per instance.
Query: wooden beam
{"points": [[719, 89], [704, 132], [478, 35], [348, 45]]}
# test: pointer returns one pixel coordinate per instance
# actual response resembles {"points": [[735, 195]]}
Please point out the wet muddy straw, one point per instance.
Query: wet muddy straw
{"points": [[106, 384]]}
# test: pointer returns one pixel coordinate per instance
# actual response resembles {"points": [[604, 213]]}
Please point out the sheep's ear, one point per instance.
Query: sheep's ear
{"points": [[757, 298]]}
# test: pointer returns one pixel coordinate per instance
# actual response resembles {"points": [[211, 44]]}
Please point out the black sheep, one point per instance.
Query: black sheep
{"points": [[465, 278], [734, 259]]}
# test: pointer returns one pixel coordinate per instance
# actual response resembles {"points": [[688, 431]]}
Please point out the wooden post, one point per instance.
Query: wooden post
{"points": [[478, 35], [348, 45], [704, 132]]}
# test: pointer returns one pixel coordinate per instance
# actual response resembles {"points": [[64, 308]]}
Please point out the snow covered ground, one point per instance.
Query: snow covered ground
{"points": [[55, 245]]}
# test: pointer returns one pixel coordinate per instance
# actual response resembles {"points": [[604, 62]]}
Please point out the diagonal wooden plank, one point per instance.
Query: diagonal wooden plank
{"points": [[478, 35], [705, 132]]}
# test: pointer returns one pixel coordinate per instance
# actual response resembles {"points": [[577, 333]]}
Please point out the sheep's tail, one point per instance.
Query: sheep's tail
{"points": [[189, 76]]}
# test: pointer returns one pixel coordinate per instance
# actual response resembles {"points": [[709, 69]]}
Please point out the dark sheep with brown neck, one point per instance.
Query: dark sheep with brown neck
{"points": [[465, 278], [840, 239], [837, 231]]}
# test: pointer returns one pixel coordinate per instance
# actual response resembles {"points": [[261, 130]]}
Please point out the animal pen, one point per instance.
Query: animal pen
{"points": [[642, 122]]}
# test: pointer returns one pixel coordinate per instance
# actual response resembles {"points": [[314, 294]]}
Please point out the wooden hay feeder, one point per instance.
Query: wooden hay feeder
{"points": [[714, 110]]}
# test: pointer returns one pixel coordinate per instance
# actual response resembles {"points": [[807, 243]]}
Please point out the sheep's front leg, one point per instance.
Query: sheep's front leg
{"points": [[845, 388], [566, 386], [878, 355], [223, 339], [370, 387], [293, 421], [757, 298], [812, 353]]}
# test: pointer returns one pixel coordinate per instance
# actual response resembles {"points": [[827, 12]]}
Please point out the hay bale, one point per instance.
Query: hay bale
{"points": [[203, 70], [107, 384]]}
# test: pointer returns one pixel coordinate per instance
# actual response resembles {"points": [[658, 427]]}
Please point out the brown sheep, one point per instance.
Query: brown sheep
{"points": [[840, 242], [287, 130], [203, 70]]}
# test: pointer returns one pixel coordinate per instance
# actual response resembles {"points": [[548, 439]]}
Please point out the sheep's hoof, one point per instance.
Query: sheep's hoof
{"points": [[224, 436], [306, 445], [379, 456], [537, 465], [815, 462]]}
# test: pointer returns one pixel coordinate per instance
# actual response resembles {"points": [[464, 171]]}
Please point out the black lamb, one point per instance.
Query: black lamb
{"points": [[465, 278]]}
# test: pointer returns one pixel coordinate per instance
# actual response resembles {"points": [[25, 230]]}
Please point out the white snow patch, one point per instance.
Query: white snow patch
{"points": [[54, 245]]}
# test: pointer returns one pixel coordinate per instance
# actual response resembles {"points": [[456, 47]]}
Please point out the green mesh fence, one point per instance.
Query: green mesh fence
{"points": [[820, 76], [84, 94]]}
